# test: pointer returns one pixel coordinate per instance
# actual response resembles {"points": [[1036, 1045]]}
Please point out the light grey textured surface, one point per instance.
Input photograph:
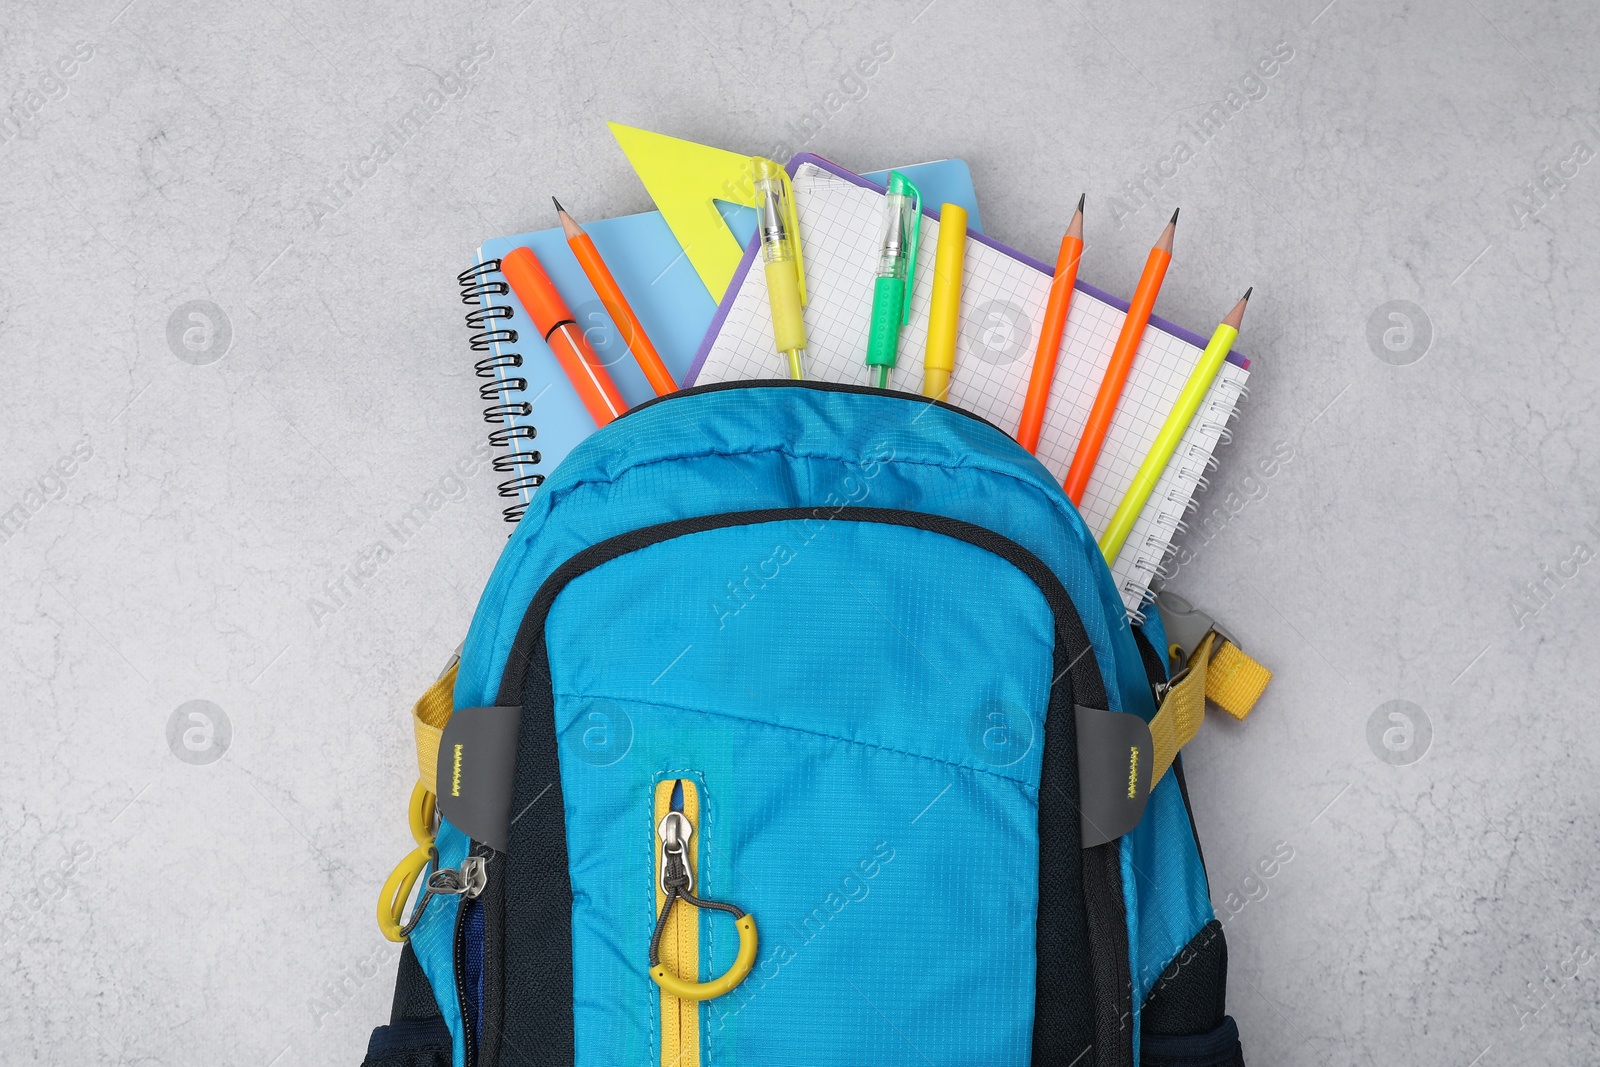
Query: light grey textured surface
{"points": [[160, 911]]}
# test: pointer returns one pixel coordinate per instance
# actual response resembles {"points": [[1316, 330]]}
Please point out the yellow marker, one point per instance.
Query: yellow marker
{"points": [[1150, 471], [778, 226], [944, 314]]}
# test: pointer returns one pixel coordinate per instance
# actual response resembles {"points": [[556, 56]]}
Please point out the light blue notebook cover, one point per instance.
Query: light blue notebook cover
{"points": [[665, 293]]}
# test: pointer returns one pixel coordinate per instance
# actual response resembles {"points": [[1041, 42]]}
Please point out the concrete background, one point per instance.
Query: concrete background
{"points": [[187, 485]]}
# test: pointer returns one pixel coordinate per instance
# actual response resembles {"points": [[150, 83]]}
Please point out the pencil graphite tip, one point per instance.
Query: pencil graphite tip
{"points": [[569, 225], [1075, 226], [1236, 316], [1164, 242], [1081, 198], [1174, 220]]}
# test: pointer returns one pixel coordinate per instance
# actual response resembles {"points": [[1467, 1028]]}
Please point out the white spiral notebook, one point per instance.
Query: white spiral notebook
{"points": [[1003, 299]]}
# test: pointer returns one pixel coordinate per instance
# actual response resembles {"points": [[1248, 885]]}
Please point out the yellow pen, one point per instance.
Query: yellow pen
{"points": [[944, 313], [779, 227]]}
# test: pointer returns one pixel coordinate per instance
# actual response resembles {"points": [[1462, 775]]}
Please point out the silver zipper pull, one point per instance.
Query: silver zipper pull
{"points": [[675, 831], [466, 882]]}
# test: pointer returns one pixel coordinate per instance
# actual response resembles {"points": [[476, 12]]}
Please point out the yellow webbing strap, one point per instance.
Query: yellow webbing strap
{"points": [[1231, 679], [1234, 681], [428, 720], [1183, 709]]}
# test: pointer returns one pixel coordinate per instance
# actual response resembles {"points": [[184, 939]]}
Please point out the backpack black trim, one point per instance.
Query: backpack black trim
{"points": [[1081, 929]]}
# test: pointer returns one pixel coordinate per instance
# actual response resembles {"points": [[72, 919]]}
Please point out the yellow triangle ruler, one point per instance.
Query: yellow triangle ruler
{"points": [[685, 180]]}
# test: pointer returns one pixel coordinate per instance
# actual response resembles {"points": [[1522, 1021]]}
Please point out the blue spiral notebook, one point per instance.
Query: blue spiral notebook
{"points": [[536, 414]]}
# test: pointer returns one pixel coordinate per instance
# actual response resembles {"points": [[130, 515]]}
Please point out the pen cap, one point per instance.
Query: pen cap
{"points": [[944, 309], [535, 289], [902, 233], [777, 220]]}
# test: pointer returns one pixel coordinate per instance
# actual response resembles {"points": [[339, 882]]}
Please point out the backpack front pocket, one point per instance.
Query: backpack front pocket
{"points": [[861, 708]]}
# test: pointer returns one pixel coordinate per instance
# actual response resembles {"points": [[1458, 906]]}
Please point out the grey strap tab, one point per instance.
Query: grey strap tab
{"points": [[477, 763], [1114, 759], [1186, 625]]}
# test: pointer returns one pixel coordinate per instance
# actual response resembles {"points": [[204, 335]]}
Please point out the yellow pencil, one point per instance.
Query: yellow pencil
{"points": [[1194, 391], [944, 312]]}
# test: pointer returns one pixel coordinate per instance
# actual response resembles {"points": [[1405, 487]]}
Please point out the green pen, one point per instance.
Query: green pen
{"points": [[897, 264]]}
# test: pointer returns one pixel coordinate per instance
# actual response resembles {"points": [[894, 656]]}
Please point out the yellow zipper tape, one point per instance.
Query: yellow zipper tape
{"points": [[680, 941]]}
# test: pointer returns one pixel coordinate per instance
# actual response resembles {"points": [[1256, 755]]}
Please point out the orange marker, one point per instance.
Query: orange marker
{"points": [[1055, 324], [1105, 401], [599, 275], [554, 320]]}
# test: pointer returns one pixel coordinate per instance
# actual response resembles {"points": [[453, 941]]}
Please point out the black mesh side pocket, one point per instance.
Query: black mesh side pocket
{"points": [[1190, 995], [1184, 1022], [410, 1043], [416, 1035], [1219, 1048]]}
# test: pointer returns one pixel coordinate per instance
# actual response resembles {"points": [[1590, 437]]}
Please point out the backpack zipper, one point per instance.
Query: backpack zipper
{"points": [[676, 822], [818, 386], [473, 876]]}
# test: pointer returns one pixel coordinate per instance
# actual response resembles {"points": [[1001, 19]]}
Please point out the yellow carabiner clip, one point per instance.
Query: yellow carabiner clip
{"points": [[742, 962], [397, 887]]}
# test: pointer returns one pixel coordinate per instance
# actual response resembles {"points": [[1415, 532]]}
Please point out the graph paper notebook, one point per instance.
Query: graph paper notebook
{"points": [[536, 413], [1002, 302]]}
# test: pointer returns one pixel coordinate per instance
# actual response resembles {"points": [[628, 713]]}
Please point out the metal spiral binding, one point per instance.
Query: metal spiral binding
{"points": [[503, 437], [1156, 558], [515, 461], [476, 319], [487, 367], [483, 342], [490, 328]]}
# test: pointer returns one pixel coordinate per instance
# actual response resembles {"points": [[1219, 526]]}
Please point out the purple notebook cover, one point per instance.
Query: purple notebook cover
{"points": [[833, 168]]}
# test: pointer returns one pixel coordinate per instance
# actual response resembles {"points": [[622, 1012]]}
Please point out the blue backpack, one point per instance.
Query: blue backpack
{"points": [[803, 724]]}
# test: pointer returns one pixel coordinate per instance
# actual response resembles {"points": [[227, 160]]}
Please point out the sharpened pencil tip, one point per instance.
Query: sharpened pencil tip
{"points": [[557, 203], [1081, 198], [1174, 215], [1235, 318]]}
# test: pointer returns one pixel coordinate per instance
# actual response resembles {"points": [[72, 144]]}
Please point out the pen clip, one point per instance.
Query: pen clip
{"points": [[792, 221], [794, 234], [916, 241]]}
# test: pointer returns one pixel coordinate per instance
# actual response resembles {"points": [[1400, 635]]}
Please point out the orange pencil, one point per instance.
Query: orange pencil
{"points": [[599, 275], [1055, 324], [1105, 401], [555, 323]]}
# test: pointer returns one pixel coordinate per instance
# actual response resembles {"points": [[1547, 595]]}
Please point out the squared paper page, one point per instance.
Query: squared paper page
{"points": [[1002, 303]]}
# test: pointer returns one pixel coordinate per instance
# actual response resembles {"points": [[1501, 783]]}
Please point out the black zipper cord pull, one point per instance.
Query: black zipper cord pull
{"points": [[467, 882], [676, 880], [677, 883]]}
